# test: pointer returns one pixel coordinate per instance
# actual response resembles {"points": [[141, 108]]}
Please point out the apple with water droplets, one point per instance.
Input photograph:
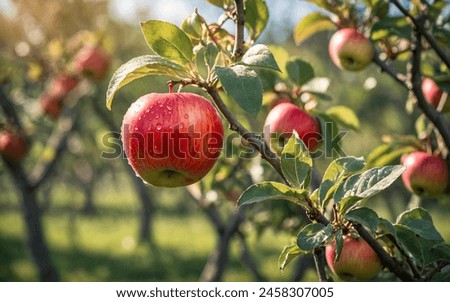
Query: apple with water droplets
{"points": [[172, 139], [425, 174], [286, 117], [357, 259], [350, 50]]}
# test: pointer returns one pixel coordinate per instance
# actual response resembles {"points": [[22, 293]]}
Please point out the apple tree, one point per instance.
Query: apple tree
{"points": [[344, 234]]}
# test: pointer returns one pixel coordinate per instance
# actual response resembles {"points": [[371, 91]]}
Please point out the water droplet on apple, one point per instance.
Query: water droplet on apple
{"points": [[136, 128], [147, 111], [158, 126], [169, 107], [157, 116], [181, 125], [186, 116]]}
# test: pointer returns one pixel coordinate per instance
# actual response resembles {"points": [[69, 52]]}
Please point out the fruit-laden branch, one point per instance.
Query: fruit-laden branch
{"points": [[416, 79], [238, 49], [420, 27]]}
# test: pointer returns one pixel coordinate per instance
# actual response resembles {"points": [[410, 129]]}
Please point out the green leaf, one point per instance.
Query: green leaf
{"points": [[269, 190], [409, 242], [259, 55], [344, 116], [211, 53], [339, 240], [386, 154], [256, 17], [296, 163], [391, 26], [288, 254], [419, 221], [140, 67], [364, 216], [441, 251], [313, 235], [168, 41], [387, 227], [243, 85], [299, 72], [339, 168], [310, 25]]}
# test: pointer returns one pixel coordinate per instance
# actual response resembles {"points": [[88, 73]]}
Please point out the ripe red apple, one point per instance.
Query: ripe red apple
{"points": [[51, 106], [92, 62], [172, 139], [357, 260], [283, 119], [13, 145], [425, 175], [433, 94], [350, 50], [61, 85]]}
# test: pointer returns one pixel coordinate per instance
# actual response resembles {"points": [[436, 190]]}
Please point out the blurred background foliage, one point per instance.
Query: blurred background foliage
{"points": [[91, 212]]}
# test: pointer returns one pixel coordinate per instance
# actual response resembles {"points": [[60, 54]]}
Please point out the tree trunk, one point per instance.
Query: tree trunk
{"points": [[35, 237]]}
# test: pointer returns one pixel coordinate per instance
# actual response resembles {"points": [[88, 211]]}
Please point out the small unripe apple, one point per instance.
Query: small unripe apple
{"points": [[433, 94], [13, 145], [51, 106], [172, 139], [350, 50], [61, 85], [425, 174], [92, 62], [283, 119], [357, 260]]}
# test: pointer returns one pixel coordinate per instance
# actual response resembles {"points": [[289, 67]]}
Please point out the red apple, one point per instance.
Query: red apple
{"points": [[433, 94], [13, 145], [172, 139], [350, 50], [92, 62], [425, 175], [61, 85], [357, 260], [283, 119], [51, 106]]}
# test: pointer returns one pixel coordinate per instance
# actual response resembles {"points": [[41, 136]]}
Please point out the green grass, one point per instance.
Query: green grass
{"points": [[104, 247]]}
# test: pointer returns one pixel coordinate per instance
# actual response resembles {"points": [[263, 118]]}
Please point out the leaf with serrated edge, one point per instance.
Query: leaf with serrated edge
{"points": [[313, 235], [420, 222], [288, 254], [364, 216], [338, 169], [260, 55], [140, 67], [310, 25], [168, 41], [270, 190], [296, 163], [243, 85], [373, 181]]}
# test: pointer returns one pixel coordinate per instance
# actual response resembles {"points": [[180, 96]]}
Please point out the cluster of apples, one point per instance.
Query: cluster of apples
{"points": [[91, 62], [426, 175]]}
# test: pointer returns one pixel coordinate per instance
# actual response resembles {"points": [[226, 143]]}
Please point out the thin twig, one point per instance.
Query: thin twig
{"points": [[420, 27], [398, 77], [238, 50]]}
